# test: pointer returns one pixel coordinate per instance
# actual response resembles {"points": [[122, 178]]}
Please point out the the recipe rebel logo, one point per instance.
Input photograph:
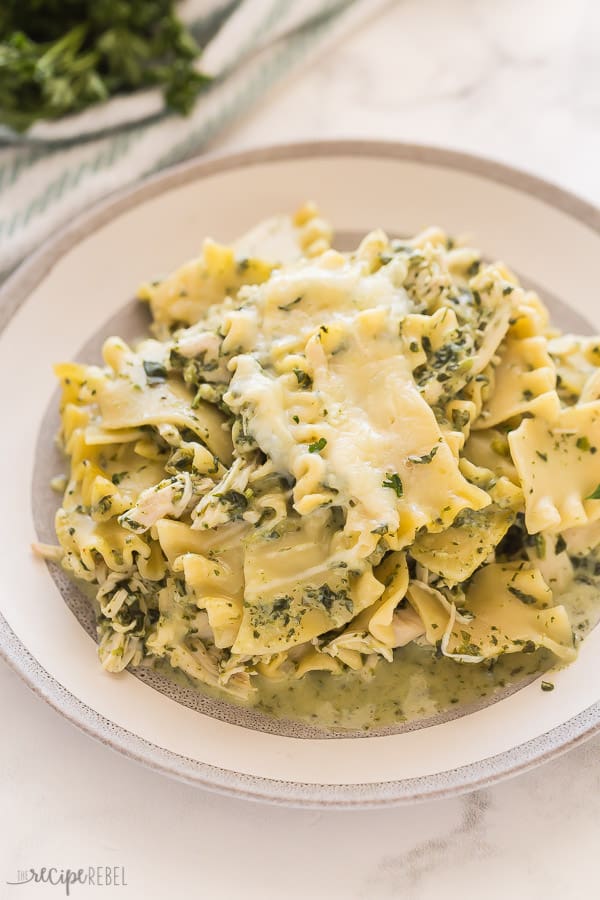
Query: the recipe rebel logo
{"points": [[93, 876]]}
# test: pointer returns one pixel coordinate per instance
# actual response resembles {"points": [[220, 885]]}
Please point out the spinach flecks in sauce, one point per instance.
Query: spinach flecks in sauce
{"points": [[419, 684]]}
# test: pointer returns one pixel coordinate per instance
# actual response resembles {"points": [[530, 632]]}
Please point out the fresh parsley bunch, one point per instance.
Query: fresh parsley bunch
{"points": [[60, 56]]}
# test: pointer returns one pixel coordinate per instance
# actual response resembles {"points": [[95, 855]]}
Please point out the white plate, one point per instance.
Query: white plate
{"points": [[64, 297]]}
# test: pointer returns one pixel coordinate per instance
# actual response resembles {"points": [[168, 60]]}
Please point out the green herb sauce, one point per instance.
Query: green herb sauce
{"points": [[418, 684]]}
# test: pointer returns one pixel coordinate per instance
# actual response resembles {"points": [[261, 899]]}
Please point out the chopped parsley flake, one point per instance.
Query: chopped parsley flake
{"points": [[460, 418], [303, 378], [529, 599], [104, 505], [287, 306], [317, 446], [392, 480], [540, 545], [155, 371], [426, 458]]}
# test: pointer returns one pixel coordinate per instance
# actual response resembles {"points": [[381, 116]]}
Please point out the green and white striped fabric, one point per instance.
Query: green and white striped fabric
{"points": [[58, 171]]}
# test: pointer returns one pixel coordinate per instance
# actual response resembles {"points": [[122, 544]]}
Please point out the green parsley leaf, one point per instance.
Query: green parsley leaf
{"points": [[392, 480], [528, 599], [317, 446], [561, 544], [303, 378], [155, 372], [287, 306], [595, 495], [423, 460], [539, 542]]}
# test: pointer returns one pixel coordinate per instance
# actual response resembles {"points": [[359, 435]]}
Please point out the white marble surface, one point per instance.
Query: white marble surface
{"points": [[518, 80]]}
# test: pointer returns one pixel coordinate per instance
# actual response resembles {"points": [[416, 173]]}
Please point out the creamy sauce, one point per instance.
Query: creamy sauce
{"points": [[417, 684]]}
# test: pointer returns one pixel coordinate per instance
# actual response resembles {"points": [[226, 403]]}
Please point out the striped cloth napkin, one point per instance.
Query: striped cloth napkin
{"points": [[60, 168]]}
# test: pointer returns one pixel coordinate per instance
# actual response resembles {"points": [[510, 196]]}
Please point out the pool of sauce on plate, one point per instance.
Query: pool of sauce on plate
{"points": [[417, 684]]}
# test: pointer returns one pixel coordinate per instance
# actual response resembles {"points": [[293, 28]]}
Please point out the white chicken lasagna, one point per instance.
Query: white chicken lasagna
{"points": [[321, 457]]}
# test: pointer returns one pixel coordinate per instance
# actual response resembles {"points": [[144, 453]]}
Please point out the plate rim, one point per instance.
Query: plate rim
{"points": [[475, 776]]}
